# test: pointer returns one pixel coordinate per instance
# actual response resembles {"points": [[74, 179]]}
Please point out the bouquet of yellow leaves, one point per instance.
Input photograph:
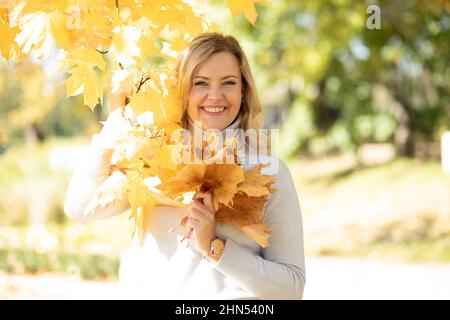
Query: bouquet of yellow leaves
{"points": [[238, 196], [144, 169]]}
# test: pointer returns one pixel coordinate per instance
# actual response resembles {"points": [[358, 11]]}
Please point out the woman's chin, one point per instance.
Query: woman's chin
{"points": [[210, 125]]}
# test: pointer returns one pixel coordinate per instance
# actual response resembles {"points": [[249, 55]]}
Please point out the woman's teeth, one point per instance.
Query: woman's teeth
{"points": [[213, 109]]}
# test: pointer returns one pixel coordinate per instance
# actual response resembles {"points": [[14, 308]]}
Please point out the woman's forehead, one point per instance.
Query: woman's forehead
{"points": [[219, 65]]}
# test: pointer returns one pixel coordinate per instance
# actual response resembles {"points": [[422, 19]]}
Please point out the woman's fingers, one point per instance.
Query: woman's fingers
{"points": [[200, 216], [206, 197], [201, 207], [208, 201], [192, 223]]}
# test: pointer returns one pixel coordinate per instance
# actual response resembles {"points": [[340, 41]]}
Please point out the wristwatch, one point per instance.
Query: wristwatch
{"points": [[216, 248]]}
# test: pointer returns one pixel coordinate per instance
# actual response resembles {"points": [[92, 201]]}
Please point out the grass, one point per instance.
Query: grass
{"points": [[89, 250], [92, 267], [397, 211]]}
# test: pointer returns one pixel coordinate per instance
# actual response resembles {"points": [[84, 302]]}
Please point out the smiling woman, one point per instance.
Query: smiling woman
{"points": [[216, 84], [215, 97], [218, 92]]}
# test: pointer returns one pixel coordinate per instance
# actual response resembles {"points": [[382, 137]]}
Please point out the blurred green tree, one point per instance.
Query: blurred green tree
{"points": [[344, 84]]}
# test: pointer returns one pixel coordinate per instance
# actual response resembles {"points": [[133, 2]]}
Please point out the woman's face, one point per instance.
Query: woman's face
{"points": [[215, 97]]}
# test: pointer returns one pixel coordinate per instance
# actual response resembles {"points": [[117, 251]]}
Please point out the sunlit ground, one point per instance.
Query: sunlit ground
{"points": [[328, 278]]}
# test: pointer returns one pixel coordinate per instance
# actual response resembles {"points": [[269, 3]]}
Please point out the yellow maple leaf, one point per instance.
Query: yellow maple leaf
{"points": [[149, 101], [84, 79], [258, 232], [35, 35], [222, 181], [188, 178], [137, 191], [255, 183], [153, 11], [160, 199], [164, 109], [65, 37], [247, 215], [95, 26], [163, 157], [140, 199], [125, 46], [172, 107], [146, 44], [156, 154], [85, 56], [122, 82], [127, 148], [219, 179], [245, 210], [114, 187], [8, 48], [247, 7]]}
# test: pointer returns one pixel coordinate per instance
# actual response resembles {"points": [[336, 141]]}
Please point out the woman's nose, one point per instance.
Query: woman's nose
{"points": [[214, 93]]}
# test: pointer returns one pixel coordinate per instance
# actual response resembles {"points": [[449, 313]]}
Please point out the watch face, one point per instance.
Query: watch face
{"points": [[216, 246]]}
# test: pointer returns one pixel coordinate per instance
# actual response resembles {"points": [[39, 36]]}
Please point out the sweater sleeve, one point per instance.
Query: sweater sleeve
{"points": [[88, 176], [279, 273]]}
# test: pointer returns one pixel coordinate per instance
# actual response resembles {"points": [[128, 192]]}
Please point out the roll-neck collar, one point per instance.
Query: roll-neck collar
{"points": [[234, 125]]}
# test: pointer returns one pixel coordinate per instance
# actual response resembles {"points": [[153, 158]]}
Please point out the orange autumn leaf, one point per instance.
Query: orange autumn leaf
{"points": [[222, 180], [188, 178], [219, 179], [245, 211], [258, 232], [255, 183], [247, 215]]}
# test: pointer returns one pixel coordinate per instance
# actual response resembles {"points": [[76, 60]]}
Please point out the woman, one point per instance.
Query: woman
{"points": [[218, 92]]}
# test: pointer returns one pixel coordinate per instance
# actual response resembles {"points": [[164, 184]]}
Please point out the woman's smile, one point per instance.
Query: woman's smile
{"points": [[213, 110]]}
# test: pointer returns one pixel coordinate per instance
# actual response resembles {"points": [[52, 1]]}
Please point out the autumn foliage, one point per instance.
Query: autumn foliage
{"points": [[127, 48]]}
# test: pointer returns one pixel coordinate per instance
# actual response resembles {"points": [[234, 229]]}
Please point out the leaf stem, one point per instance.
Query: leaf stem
{"points": [[142, 81], [102, 52]]}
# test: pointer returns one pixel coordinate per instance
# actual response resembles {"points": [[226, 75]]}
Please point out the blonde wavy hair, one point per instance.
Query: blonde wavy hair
{"points": [[200, 49]]}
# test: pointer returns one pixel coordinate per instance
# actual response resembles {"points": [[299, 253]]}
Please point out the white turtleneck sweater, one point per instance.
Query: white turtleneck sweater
{"points": [[162, 268]]}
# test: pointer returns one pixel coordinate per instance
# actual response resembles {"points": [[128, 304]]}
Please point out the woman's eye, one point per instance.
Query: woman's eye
{"points": [[202, 83]]}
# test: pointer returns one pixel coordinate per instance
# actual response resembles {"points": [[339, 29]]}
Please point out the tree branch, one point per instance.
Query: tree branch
{"points": [[141, 82]]}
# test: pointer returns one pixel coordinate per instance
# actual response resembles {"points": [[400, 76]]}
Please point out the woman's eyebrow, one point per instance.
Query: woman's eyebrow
{"points": [[229, 76]]}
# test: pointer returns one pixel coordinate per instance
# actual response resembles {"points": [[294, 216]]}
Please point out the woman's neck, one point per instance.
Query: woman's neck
{"points": [[196, 132], [195, 125]]}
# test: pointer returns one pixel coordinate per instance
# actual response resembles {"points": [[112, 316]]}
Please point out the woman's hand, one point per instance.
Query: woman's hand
{"points": [[202, 219]]}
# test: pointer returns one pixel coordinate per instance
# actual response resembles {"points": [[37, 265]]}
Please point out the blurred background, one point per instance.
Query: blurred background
{"points": [[364, 115]]}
